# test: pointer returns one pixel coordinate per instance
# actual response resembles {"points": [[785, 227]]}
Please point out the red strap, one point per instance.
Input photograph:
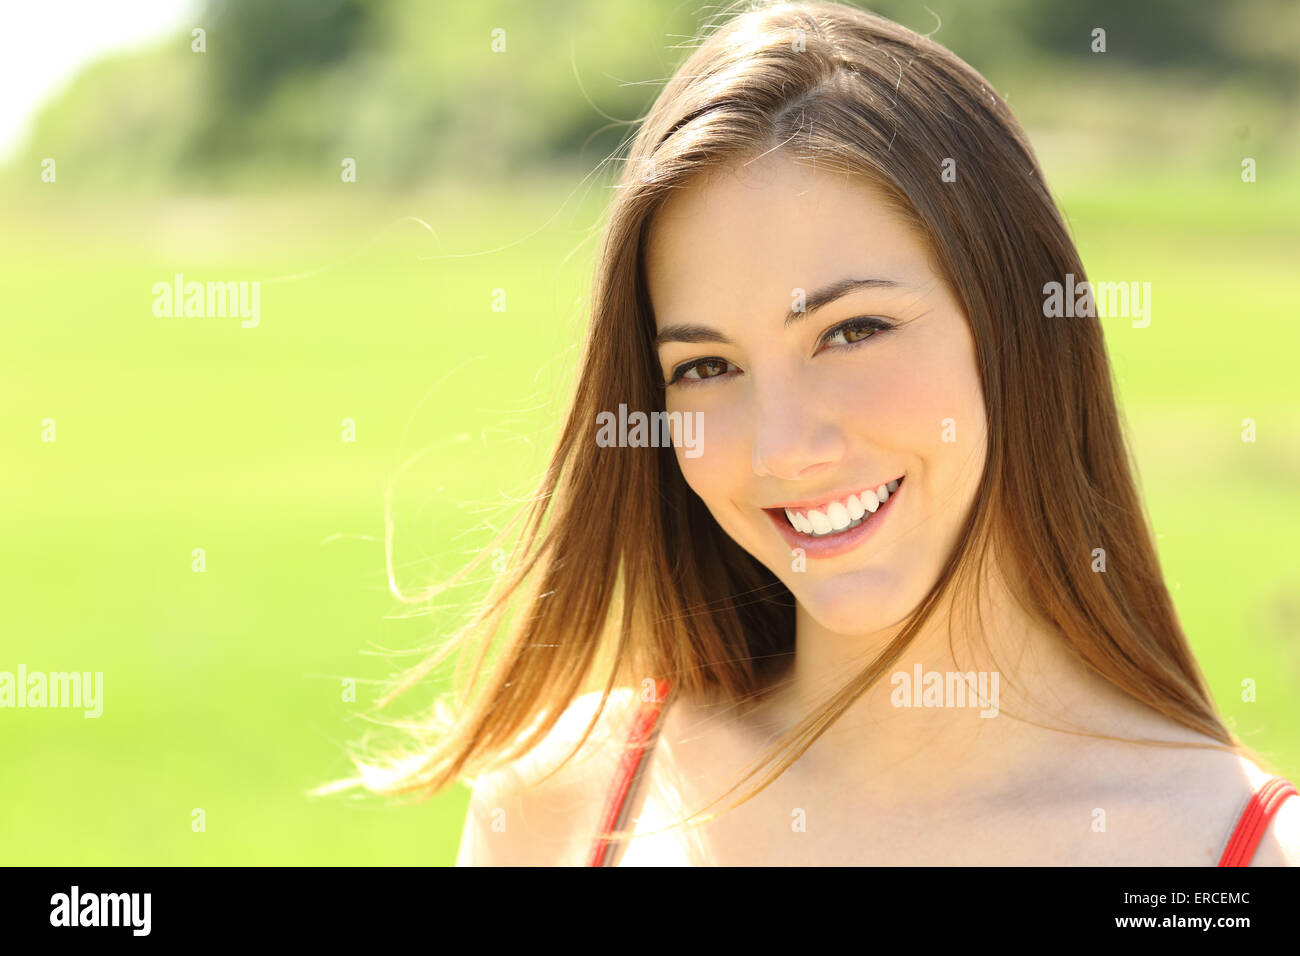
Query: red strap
{"points": [[638, 739], [1264, 802]]}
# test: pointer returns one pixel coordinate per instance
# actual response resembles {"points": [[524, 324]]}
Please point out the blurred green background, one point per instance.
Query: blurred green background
{"points": [[480, 171]]}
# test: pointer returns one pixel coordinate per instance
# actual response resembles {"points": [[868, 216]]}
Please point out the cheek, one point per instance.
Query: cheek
{"points": [[937, 407], [923, 396], [951, 403], [718, 463]]}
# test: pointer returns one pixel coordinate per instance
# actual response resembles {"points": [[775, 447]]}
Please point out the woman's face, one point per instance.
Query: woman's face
{"points": [[812, 401]]}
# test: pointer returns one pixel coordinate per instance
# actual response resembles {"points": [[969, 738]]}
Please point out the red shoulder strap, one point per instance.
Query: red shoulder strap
{"points": [[1264, 802], [629, 766]]}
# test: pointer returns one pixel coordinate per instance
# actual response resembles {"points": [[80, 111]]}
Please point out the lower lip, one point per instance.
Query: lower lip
{"points": [[836, 544]]}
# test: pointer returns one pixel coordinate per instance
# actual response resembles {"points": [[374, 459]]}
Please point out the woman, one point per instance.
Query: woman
{"points": [[893, 571]]}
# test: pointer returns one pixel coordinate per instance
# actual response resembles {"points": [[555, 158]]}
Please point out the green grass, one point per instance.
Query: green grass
{"points": [[222, 689]]}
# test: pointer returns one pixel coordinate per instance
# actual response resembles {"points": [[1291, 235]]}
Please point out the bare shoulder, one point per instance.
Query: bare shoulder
{"points": [[1155, 805], [1202, 794], [540, 810], [1229, 781], [1280, 844]]}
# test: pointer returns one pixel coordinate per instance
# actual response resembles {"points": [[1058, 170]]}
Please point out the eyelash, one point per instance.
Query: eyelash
{"points": [[870, 323]]}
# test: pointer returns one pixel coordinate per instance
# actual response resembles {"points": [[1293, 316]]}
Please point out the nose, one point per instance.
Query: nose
{"points": [[793, 437]]}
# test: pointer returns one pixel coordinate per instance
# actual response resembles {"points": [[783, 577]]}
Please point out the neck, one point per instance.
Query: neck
{"points": [[968, 733]]}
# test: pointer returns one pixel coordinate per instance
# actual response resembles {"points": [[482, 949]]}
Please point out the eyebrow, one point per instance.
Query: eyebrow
{"points": [[812, 302]]}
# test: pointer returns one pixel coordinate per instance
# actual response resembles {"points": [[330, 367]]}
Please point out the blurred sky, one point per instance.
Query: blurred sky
{"points": [[44, 44]]}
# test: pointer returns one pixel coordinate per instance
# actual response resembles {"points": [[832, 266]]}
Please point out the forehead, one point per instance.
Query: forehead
{"points": [[743, 237]]}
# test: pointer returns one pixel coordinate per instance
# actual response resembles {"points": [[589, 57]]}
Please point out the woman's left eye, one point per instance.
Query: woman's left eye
{"points": [[856, 331]]}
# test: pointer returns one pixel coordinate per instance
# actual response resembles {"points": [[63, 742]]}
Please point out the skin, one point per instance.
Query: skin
{"points": [[792, 413]]}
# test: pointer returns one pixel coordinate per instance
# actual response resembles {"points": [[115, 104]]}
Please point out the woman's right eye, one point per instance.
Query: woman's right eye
{"points": [[714, 367]]}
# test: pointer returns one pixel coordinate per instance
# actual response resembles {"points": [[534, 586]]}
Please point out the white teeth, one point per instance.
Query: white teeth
{"points": [[799, 521], [838, 515], [852, 524]]}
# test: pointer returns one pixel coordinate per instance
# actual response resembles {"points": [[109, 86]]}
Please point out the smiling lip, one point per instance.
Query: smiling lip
{"points": [[805, 503], [831, 546]]}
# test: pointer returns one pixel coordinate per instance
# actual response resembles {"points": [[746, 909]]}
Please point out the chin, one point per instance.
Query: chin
{"points": [[853, 604]]}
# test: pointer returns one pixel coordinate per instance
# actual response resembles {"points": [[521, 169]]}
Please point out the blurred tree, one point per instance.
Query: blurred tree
{"points": [[414, 90], [279, 39]]}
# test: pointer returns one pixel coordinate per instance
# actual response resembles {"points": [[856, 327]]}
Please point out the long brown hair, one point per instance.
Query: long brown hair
{"points": [[620, 573]]}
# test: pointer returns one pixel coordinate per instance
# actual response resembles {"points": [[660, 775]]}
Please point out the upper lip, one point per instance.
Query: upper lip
{"points": [[804, 504]]}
